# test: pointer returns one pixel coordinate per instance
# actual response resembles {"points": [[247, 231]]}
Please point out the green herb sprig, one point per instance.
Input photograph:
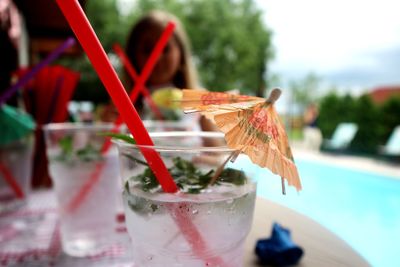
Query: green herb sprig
{"points": [[188, 178], [87, 153], [186, 175]]}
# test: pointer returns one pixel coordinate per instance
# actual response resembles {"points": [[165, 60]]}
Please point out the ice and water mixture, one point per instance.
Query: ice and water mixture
{"points": [[222, 214]]}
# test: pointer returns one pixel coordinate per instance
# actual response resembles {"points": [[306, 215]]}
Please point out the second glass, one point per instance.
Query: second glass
{"points": [[86, 183]]}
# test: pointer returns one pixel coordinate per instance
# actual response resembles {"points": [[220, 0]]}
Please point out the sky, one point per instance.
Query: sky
{"points": [[352, 44]]}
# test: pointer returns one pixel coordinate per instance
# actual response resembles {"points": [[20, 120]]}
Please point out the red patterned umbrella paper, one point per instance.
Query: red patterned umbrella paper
{"points": [[251, 125]]}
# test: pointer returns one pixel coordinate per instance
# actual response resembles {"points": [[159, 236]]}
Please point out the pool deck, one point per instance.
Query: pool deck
{"points": [[365, 164]]}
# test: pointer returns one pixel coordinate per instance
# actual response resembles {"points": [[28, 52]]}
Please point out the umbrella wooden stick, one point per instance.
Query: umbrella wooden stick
{"points": [[275, 94], [219, 170]]}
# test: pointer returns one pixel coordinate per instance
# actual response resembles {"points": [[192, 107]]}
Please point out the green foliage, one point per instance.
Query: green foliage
{"points": [[110, 28], [390, 117], [230, 55], [366, 115], [107, 22], [305, 91], [333, 110]]}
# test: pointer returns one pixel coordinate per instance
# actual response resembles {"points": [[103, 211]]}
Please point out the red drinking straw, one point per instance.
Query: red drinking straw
{"points": [[139, 86], [96, 54], [140, 80], [12, 182]]}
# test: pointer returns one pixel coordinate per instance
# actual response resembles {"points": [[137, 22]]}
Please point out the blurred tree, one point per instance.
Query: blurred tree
{"points": [[366, 116], [390, 117], [305, 91], [333, 110], [231, 45], [110, 28]]}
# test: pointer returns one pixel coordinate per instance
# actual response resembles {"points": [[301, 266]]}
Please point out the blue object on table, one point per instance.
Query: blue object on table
{"points": [[279, 250]]}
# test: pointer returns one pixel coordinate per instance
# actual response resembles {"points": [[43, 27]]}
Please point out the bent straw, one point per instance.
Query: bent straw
{"points": [[139, 86], [88, 39], [28, 76], [96, 54], [12, 182], [140, 80]]}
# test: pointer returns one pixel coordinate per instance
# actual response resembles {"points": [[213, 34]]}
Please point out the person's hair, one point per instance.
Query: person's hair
{"points": [[186, 76]]}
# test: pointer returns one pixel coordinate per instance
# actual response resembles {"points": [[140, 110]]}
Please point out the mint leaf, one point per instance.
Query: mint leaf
{"points": [[67, 153], [120, 136], [88, 153]]}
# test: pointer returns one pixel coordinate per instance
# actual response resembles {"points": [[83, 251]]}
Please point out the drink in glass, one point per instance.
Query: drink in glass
{"points": [[15, 173], [86, 184], [202, 225]]}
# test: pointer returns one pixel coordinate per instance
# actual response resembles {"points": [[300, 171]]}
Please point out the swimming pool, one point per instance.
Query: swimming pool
{"points": [[362, 208]]}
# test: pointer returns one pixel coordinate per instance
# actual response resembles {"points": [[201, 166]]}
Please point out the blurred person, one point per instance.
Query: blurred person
{"points": [[311, 132], [10, 31], [174, 68]]}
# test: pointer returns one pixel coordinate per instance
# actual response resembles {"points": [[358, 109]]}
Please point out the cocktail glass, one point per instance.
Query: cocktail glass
{"points": [[15, 174], [86, 184], [204, 224]]}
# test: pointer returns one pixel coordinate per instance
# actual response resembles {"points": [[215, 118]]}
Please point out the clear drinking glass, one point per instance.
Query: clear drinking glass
{"points": [[86, 184], [203, 224], [15, 173]]}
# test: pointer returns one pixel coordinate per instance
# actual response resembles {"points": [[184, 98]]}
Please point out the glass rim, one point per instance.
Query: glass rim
{"points": [[173, 147], [66, 126], [164, 123]]}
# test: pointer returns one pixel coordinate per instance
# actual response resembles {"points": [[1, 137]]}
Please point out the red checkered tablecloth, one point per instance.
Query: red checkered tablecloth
{"points": [[30, 237]]}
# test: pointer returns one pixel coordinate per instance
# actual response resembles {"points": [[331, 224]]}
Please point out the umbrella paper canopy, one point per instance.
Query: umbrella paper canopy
{"points": [[15, 124], [251, 125]]}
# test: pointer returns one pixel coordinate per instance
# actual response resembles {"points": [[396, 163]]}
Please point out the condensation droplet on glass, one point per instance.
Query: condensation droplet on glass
{"points": [[195, 211]]}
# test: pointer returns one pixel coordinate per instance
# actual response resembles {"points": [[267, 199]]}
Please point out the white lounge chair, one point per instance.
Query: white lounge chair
{"points": [[342, 137], [392, 146]]}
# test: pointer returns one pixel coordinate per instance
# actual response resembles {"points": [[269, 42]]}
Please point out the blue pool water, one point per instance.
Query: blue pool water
{"points": [[360, 207]]}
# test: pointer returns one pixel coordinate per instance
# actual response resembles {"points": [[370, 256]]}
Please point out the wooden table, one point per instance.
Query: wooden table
{"points": [[321, 247]]}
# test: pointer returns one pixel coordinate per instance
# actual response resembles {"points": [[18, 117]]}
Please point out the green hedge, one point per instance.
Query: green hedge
{"points": [[375, 122]]}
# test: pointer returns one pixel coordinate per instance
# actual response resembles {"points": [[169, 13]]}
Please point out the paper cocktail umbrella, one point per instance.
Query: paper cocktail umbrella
{"points": [[251, 125], [15, 124]]}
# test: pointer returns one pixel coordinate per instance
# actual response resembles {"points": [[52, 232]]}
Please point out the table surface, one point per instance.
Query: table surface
{"points": [[321, 247], [30, 237]]}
